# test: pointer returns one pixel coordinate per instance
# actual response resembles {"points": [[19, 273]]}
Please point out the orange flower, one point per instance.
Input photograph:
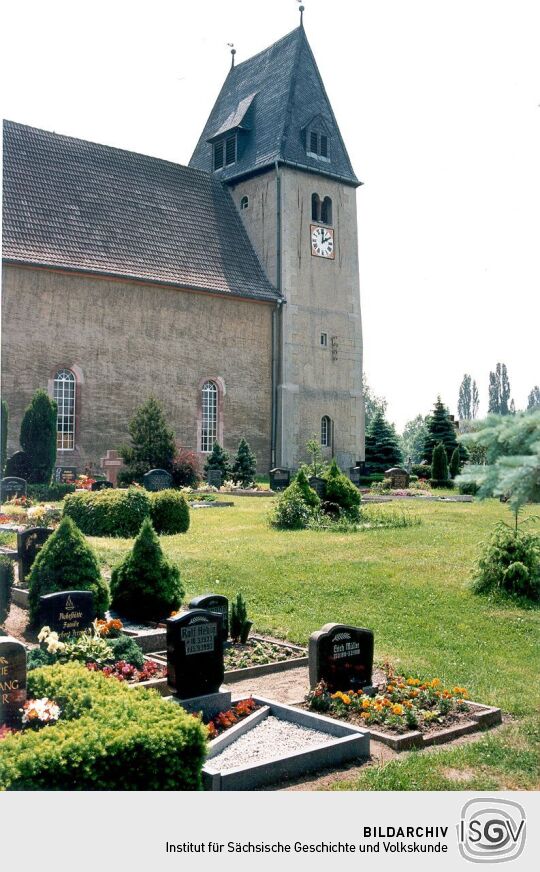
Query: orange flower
{"points": [[398, 710]]}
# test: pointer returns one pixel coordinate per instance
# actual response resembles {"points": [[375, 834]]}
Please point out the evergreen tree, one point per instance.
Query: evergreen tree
{"points": [[38, 437], [382, 448], [533, 401], [309, 496], [494, 404], [440, 429], [218, 459], [455, 463], [475, 400], [413, 438], [152, 442], [505, 390], [465, 398], [372, 403], [245, 465], [4, 432], [439, 466]]}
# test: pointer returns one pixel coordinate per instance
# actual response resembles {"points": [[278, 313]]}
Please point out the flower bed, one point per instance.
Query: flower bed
{"points": [[124, 671], [257, 652], [225, 720]]}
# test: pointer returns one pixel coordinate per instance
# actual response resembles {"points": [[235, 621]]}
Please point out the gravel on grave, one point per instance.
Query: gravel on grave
{"points": [[270, 739]]}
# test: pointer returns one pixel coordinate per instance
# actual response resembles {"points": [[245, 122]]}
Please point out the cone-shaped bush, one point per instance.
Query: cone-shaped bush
{"points": [[309, 496], [38, 437], [340, 490], [67, 562], [455, 463], [439, 467], [146, 586], [245, 465], [218, 459]]}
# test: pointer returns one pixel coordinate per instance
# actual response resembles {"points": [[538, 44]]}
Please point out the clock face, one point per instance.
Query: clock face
{"points": [[322, 241]]}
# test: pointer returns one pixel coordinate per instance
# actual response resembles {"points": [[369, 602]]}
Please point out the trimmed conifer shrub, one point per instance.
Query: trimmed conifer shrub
{"points": [[169, 512], [244, 466], [441, 429], [146, 586], [152, 443], [218, 459], [7, 575], [439, 467], [310, 496], [66, 562], [111, 512], [38, 437], [341, 491], [509, 563], [455, 463], [382, 448]]}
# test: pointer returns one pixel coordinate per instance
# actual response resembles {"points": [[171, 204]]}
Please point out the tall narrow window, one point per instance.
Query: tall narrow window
{"points": [[326, 211], [315, 207], [209, 416], [244, 203], [230, 150], [326, 431], [64, 394], [218, 155]]}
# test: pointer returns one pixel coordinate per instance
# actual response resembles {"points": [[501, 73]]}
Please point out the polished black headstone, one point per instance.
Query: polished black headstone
{"points": [[29, 544], [280, 478], [214, 477], [65, 474], [12, 486], [100, 485], [214, 602], [342, 656], [68, 612], [12, 681], [157, 480], [355, 474], [195, 653]]}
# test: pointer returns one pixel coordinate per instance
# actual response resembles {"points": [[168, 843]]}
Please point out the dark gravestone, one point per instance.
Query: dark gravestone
{"points": [[195, 653], [65, 474], [280, 478], [68, 612], [398, 476], [214, 602], [29, 543], [100, 485], [354, 475], [214, 477], [342, 656], [318, 485], [157, 480], [12, 486], [12, 681]]}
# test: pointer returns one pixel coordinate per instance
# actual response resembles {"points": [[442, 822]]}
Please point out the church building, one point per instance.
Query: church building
{"points": [[227, 289]]}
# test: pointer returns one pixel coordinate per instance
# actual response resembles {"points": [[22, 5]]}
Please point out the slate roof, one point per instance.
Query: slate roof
{"points": [[72, 204], [289, 93]]}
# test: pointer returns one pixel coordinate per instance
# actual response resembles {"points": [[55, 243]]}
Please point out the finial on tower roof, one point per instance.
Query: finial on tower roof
{"points": [[301, 7], [233, 52]]}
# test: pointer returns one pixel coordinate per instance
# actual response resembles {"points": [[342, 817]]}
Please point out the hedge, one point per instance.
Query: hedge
{"points": [[53, 492], [120, 512], [108, 738], [7, 576]]}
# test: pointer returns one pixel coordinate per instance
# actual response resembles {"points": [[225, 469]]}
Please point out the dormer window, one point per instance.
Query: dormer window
{"points": [[318, 144], [225, 152]]}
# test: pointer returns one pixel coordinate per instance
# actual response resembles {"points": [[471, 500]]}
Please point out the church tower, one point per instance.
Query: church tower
{"points": [[273, 140]]}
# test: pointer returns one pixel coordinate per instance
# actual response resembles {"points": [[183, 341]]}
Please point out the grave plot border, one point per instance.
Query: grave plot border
{"points": [[346, 743]]}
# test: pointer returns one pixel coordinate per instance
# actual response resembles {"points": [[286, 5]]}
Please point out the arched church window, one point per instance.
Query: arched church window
{"points": [[315, 207], [326, 431], [326, 211], [209, 424], [244, 202], [64, 393]]}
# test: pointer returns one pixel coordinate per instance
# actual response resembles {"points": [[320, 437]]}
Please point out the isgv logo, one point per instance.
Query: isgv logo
{"points": [[491, 830]]}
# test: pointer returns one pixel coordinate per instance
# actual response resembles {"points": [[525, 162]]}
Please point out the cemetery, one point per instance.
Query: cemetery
{"points": [[306, 639]]}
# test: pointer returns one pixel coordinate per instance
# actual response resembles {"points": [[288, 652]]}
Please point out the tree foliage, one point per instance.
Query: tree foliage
{"points": [[218, 459], [499, 391], [38, 437], [245, 465], [533, 400], [413, 439], [441, 429], [382, 448], [468, 400], [152, 442], [455, 463], [439, 466], [372, 403]]}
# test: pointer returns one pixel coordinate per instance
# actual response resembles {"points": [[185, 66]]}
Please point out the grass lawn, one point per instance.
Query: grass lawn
{"points": [[410, 586]]}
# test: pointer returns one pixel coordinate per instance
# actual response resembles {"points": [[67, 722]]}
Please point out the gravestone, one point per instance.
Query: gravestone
{"points": [[280, 478], [214, 477], [100, 485], [398, 476], [319, 486], [112, 464], [65, 474], [195, 653], [29, 544], [67, 613], [12, 681], [12, 486], [342, 656], [216, 603], [157, 480], [354, 475]]}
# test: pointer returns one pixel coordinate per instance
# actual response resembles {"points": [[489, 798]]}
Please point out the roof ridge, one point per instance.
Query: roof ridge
{"points": [[264, 50]]}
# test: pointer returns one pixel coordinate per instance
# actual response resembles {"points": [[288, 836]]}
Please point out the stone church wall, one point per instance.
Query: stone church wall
{"points": [[126, 341]]}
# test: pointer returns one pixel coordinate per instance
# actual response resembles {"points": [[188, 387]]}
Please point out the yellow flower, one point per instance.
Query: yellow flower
{"points": [[346, 699], [366, 703], [397, 710], [413, 682], [435, 682]]}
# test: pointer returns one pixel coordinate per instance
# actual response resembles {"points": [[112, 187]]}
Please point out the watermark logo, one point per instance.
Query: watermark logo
{"points": [[491, 830]]}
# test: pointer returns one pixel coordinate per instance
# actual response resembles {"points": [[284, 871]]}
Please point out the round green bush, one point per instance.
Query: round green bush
{"points": [[169, 512], [509, 563], [291, 511], [111, 512], [341, 490], [66, 562], [146, 586]]}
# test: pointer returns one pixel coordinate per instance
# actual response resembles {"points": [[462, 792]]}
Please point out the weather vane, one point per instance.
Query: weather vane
{"points": [[233, 52]]}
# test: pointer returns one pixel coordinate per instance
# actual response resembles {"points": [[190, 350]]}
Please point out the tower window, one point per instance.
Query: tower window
{"points": [[315, 207], [323, 145], [218, 155], [324, 340], [230, 150], [64, 394], [225, 152], [326, 211], [244, 203], [318, 145], [326, 431]]}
